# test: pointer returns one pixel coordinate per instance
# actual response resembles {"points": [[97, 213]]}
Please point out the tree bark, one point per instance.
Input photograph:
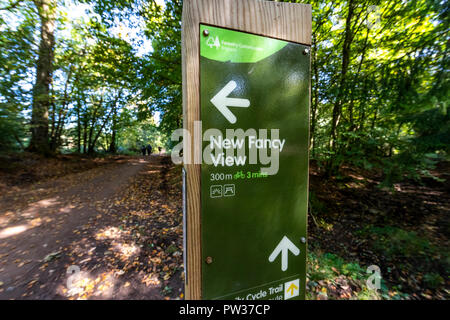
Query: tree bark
{"points": [[85, 126], [44, 71], [94, 141], [337, 108], [78, 128], [345, 62], [112, 146], [57, 127], [315, 104]]}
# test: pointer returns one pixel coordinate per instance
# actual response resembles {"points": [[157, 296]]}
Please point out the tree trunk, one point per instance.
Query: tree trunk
{"points": [[111, 112], [112, 146], [337, 108], [315, 104], [363, 55], [93, 142], [44, 69], [58, 125], [78, 107], [85, 127], [345, 62]]}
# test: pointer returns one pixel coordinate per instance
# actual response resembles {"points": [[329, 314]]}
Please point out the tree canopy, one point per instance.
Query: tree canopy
{"points": [[105, 76]]}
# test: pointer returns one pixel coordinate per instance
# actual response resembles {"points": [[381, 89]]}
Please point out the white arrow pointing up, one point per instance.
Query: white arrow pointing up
{"points": [[222, 102], [284, 246]]}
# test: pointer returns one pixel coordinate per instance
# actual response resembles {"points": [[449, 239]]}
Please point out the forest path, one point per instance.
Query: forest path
{"points": [[53, 229]]}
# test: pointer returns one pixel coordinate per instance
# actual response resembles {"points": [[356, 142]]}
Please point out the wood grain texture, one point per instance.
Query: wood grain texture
{"points": [[285, 21]]}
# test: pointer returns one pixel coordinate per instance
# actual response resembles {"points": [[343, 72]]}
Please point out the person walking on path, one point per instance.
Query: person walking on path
{"points": [[143, 150], [149, 149]]}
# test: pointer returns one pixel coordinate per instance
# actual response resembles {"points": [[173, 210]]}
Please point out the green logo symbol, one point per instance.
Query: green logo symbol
{"points": [[213, 42]]}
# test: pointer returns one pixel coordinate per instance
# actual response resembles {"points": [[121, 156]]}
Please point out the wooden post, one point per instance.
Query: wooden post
{"points": [[285, 21]]}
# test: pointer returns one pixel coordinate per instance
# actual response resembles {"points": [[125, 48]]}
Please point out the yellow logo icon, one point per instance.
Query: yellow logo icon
{"points": [[291, 289]]}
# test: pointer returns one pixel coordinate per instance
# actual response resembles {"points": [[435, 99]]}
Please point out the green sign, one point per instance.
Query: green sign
{"points": [[254, 95]]}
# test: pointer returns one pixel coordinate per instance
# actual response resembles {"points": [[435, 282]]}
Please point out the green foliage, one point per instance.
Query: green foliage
{"points": [[330, 265], [167, 290], [327, 270], [413, 165], [161, 81], [315, 205], [432, 128], [17, 52], [171, 249], [12, 131], [379, 85], [98, 78], [433, 280], [393, 241], [403, 247], [317, 210], [141, 133]]}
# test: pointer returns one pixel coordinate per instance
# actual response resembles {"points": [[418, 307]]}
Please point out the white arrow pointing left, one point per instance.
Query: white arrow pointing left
{"points": [[284, 246], [222, 102]]}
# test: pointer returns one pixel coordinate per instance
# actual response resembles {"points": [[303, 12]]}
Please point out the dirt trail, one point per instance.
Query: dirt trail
{"points": [[39, 224]]}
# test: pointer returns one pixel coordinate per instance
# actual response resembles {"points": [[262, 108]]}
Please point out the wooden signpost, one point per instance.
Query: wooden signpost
{"points": [[246, 71]]}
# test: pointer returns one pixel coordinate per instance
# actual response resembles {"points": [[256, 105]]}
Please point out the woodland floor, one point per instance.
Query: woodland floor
{"points": [[80, 228], [110, 232], [404, 230]]}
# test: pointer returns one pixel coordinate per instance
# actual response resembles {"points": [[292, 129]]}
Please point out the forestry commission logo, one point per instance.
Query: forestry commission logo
{"points": [[213, 42]]}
